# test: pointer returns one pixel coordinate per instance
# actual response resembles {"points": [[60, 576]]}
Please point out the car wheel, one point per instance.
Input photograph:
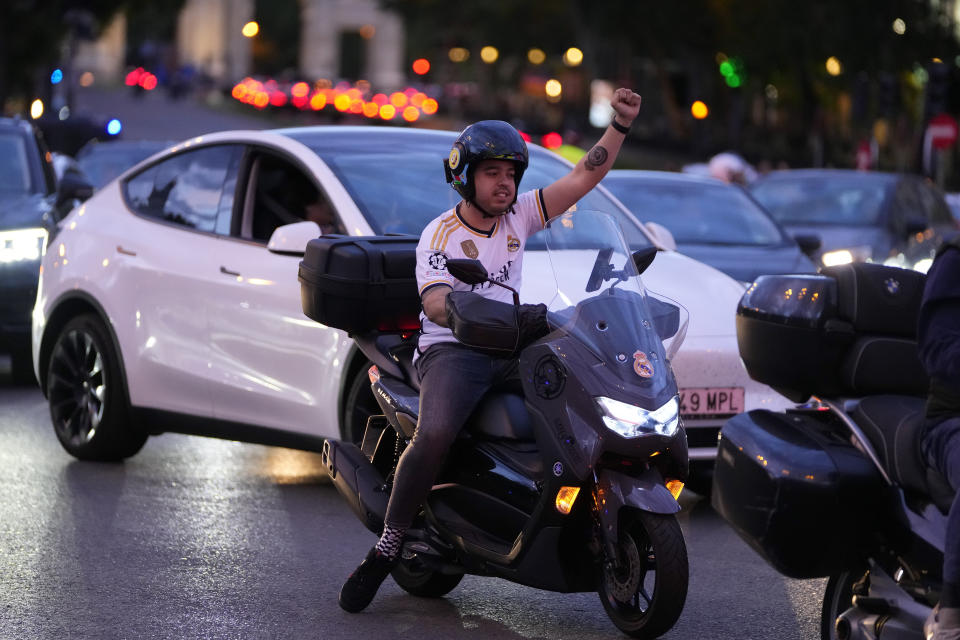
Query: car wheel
{"points": [[21, 367], [360, 404], [88, 400]]}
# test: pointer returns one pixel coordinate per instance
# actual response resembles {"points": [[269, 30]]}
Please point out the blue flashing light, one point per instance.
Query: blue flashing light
{"points": [[56, 76], [114, 127]]}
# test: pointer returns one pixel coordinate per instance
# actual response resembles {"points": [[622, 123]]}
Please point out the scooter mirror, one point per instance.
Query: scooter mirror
{"points": [[467, 271], [643, 258]]}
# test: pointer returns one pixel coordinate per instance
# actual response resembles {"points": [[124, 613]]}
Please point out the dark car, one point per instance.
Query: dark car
{"points": [[895, 219], [30, 203], [712, 221], [101, 162]]}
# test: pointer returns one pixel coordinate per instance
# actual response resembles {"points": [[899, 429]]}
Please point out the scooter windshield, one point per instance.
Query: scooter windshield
{"points": [[600, 298]]}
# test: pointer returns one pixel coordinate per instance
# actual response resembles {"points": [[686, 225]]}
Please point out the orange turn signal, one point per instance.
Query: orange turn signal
{"points": [[675, 487], [565, 499]]}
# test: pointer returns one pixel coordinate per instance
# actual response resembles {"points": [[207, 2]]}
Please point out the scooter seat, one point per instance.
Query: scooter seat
{"points": [[894, 425], [501, 416]]}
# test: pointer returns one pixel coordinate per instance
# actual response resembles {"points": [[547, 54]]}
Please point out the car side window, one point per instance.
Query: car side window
{"points": [[906, 206], [935, 209], [280, 193], [186, 189]]}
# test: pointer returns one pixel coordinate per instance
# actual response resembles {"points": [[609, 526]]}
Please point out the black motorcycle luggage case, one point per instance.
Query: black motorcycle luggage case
{"points": [[799, 494], [848, 331], [361, 284]]}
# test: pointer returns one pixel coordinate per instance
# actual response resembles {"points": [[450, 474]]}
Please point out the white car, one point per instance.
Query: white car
{"points": [[169, 301]]}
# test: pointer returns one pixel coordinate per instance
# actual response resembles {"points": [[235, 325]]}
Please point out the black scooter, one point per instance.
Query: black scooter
{"points": [[836, 487], [568, 484]]}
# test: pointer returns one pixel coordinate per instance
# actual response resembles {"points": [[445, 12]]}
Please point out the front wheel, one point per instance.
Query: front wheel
{"points": [[418, 580], [88, 403], [645, 592]]}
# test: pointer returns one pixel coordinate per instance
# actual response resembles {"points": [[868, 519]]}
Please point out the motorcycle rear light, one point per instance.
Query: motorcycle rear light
{"points": [[674, 487], [565, 499], [374, 374]]}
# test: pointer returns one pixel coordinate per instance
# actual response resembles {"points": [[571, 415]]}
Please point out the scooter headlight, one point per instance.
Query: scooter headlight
{"points": [[631, 421]]}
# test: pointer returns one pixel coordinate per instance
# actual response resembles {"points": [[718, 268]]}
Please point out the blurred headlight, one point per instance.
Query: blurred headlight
{"points": [[846, 256], [631, 421], [22, 245]]}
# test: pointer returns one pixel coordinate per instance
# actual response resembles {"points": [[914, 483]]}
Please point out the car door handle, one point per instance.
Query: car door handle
{"points": [[125, 252], [227, 272]]}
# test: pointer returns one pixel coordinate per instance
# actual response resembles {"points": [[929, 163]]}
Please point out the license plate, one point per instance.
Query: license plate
{"points": [[711, 402]]}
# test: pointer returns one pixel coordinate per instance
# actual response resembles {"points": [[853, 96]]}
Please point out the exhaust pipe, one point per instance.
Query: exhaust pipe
{"points": [[358, 481]]}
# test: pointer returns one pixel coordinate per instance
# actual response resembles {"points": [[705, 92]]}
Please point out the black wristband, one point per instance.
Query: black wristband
{"points": [[619, 127]]}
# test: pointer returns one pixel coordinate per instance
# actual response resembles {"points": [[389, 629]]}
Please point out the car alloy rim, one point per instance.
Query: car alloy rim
{"points": [[77, 387]]}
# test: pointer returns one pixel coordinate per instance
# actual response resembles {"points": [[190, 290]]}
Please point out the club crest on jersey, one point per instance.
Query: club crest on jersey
{"points": [[641, 366], [513, 243], [437, 261], [470, 249]]}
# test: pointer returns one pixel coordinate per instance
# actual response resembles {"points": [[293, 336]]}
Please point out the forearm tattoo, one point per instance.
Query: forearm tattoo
{"points": [[596, 158]]}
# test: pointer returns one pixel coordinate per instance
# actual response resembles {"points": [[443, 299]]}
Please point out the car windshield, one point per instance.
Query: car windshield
{"points": [[398, 184], [849, 200], [14, 165], [104, 162], [696, 212]]}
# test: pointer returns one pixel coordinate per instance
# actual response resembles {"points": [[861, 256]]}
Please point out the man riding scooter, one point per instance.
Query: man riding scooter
{"points": [[938, 336], [491, 224]]}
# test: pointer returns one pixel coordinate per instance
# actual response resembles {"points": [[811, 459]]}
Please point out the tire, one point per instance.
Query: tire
{"points": [[645, 597], [358, 406], [417, 580], [21, 368], [837, 598], [86, 393]]}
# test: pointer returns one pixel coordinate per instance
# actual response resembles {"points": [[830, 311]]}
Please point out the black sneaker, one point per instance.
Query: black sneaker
{"points": [[362, 585]]}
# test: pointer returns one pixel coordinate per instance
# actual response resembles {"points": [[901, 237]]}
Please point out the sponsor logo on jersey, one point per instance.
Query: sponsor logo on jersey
{"points": [[438, 261]]}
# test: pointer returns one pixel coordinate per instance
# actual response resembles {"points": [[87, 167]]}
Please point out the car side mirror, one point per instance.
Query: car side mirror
{"points": [[661, 236], [808, 242], [643, 258], [291, 239], [467, 271], [73, 186]]}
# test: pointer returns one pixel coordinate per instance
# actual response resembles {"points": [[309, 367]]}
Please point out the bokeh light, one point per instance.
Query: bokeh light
{"points": [[458, 54], [699, 110], [387, 111], [573, 57], [553, 88], [536, 56], [421, 66], [250, 29], [36, 108], [899, 27], [489, 54], [833, 66]]}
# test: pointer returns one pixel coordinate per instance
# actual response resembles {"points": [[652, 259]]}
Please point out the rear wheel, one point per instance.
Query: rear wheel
{"points": [[359, 405], [836, 599], [88, 400], [416, 579], [645, 593]]}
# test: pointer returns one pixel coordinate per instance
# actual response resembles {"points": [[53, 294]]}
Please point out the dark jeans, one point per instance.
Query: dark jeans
{"points": [[941, 448], [453, 379]]}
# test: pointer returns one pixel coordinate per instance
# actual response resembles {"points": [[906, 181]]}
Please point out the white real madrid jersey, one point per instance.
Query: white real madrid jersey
{"points": [[500, 250]]}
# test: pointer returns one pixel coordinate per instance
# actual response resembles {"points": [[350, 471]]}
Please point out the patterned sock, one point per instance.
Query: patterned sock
{"points": [[389, 543]]}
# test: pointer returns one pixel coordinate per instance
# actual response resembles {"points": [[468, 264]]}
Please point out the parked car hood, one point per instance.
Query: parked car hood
{"points": [[746, 262], [846, 237], [24, 211]]}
